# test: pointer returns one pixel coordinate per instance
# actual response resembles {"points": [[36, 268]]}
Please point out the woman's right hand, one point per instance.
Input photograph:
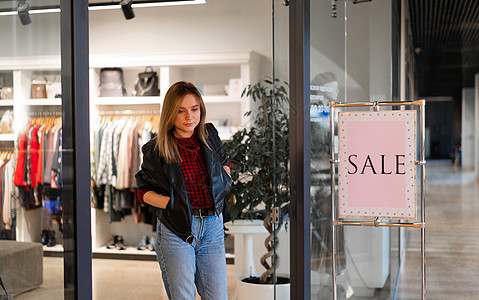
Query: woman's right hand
{"points": [[155, 199]]}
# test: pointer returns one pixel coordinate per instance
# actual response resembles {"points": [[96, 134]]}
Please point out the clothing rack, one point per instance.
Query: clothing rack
{"points": [[45, 114], [6, 154], [148, 112]]}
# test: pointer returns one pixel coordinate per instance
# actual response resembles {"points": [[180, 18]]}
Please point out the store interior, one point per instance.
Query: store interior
{"points": [[222, 46]]}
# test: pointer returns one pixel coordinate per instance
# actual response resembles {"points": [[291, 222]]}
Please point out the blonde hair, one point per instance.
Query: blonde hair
{"points": [[165, 139]]}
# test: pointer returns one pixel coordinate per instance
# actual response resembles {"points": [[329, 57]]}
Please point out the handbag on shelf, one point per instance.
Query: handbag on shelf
{"points": [[6, 93], [39, 88], [112, 83], [147, 83]]}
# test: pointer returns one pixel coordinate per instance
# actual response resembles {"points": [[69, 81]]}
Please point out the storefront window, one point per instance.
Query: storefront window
{"points": [[32, 227], [39, 151], [350, 62], [223, 48]]}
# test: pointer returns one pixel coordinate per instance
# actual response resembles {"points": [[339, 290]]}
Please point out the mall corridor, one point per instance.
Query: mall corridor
{"points": [[452, 238]]}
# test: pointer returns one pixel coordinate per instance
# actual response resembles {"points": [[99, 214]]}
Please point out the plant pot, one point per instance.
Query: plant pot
{"points": [[253, 291]]}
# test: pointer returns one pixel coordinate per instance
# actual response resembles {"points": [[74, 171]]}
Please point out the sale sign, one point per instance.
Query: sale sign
{"points": [[377, 164]]}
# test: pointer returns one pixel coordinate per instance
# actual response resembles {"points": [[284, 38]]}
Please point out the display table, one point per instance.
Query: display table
{"points": [[244, 231]]}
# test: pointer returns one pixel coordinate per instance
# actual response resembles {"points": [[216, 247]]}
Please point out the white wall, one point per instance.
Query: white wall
{"points": [[42, 37], [467, 128]]}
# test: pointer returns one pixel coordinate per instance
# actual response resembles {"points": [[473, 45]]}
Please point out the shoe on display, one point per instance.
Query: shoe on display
{"points": [[51, 238], [111, 244], [143, 244], [152, 243], [44, 238], [120, 244]]}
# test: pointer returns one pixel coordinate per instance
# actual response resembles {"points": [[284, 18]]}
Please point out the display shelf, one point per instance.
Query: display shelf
{"points": [[173, 59], [6, 102], [225, 136], [221, 99], [128, 253], [133, 253], [127, 100], [7, 137], [50, 62], [127, 250], [212, 73], [42, 102], [55, 251]]}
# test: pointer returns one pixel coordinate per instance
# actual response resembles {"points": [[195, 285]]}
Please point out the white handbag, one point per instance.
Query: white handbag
{"points": [[54, 87]]}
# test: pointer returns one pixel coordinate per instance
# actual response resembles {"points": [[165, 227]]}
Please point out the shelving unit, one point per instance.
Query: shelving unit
{"points": [[5, 102], [7, 137], [19, 73], [42, 102], [204, 70]]}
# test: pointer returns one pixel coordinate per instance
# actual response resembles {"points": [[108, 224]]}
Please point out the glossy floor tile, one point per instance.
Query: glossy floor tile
{"points": [[112, 279], [452, 238]]}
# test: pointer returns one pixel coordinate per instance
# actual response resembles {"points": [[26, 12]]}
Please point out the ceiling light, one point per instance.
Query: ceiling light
{"points": [[103, 6], [126, 8], [22, 9], [137, 4]]}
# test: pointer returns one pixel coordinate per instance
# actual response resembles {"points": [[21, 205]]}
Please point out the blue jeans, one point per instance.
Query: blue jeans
{"points": [[202, 264]]}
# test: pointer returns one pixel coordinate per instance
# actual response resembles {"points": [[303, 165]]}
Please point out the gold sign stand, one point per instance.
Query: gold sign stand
{"points": [[377, 221]]}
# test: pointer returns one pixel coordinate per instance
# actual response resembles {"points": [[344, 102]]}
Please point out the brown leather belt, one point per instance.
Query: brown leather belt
{"points": [[203, 212]]}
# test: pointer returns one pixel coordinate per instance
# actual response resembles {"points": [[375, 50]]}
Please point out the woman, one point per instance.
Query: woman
{"points": [[185, 173]]}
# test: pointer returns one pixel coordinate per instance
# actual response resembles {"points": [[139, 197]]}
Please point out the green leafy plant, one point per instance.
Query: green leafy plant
{"points": [[259, 156]]}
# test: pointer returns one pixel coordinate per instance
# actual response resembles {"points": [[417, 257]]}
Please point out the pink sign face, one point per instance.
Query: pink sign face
{"points": [[377, 173]]}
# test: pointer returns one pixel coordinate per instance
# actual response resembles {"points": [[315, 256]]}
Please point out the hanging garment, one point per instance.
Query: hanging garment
{"points": [[22, 149]]}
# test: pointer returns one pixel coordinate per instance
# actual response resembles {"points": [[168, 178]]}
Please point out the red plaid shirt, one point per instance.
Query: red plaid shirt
{"points": [[194, 172]]}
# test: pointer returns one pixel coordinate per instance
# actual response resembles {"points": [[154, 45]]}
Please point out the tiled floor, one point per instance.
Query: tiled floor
{"points": [[452, 245], [112, 279], [452, 238]]}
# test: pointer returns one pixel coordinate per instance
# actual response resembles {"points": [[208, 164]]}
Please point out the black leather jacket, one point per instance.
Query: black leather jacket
{"points": [[167, 179]]}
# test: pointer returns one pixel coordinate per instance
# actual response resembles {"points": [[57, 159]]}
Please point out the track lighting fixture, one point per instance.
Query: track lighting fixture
{"points": [[24, 9], [334, 12], [23, 12], [126, 8]]}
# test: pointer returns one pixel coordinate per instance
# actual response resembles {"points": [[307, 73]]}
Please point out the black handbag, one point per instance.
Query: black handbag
{"points": [[112, 83], [147, 83]]}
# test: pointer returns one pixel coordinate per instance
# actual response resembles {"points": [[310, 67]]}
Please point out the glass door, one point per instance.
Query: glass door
{"points": [[39, 200], [350, 61]]}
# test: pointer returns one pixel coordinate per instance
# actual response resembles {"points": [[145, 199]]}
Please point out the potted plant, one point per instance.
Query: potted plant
{"points": [[259, 156]]}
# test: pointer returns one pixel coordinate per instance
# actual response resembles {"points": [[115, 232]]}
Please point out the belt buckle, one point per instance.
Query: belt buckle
{"points": [[205, 212]]}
